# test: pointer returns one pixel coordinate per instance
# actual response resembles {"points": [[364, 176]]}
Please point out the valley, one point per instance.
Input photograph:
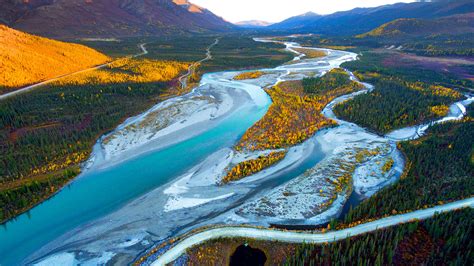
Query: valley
{"points": [[365, 212], [132, 76], [181, 196], [157, 133], [137, 83]]}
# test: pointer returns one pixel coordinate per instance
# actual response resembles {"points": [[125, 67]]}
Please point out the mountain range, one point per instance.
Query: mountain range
{"points": [[125, 18], [403, 27], [361, 20], [108, 18]]}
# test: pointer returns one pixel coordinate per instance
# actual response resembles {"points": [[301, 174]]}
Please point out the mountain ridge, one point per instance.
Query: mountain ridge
{"points": [[108, 18], [362, 20], [451, 25]]}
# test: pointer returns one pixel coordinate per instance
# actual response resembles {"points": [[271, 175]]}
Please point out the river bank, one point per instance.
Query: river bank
{"points": [[366, 178], [185, 193], [112, 233], [170, 122]]}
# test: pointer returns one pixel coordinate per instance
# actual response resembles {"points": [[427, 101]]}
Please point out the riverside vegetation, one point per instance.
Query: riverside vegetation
{"points": [[47, 133], [253, 166], [311, 53], [294, 116], [396, 103], [56, 126], [402, 97], [249, 75], [439, 169]]}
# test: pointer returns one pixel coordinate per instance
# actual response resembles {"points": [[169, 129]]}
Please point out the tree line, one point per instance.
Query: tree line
{"points": [[442, 240]]}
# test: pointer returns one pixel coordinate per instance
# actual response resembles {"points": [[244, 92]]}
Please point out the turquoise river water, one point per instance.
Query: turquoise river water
{"points": [[97, 193]]}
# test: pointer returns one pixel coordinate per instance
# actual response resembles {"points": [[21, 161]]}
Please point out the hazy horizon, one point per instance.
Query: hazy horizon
{"points": [[278, 10]]}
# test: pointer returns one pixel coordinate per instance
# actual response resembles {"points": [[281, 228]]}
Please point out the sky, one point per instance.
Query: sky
{"points": [[278, 10]]}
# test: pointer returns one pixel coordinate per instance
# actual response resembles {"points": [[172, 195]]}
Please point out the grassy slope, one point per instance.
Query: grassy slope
{"points": [[26, 59], [421, 27]]}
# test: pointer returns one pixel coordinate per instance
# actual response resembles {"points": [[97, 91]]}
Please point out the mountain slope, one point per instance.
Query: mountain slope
{"points": [[458, 24], [103, 18], [13, 9], [361, 20], [297, 22], [26, 59]]}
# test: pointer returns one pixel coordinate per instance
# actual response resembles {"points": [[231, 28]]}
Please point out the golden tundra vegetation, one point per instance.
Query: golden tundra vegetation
{"points": [[27, 59], [294, 116], [250, 167], [129, 70], [311, 53], [249, 75]]}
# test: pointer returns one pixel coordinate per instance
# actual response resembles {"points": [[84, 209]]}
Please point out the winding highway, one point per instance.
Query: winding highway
{"points": [[34, 86], [301, 237], [184, 78]]}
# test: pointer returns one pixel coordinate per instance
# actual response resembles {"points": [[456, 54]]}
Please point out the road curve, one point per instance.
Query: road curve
{"points": [[300, 237], [184, 78], [34, 86]]}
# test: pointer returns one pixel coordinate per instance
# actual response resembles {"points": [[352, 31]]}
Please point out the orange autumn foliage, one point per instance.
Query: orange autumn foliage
{"points": [[311, 53], [129, 70], [27, 59], [440, 110], [292, 118], [250, 167], [249, 75]]}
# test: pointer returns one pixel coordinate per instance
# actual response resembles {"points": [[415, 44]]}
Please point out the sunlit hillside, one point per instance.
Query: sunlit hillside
{"points": [[26, 59], [129, 70], [459, 24]]}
